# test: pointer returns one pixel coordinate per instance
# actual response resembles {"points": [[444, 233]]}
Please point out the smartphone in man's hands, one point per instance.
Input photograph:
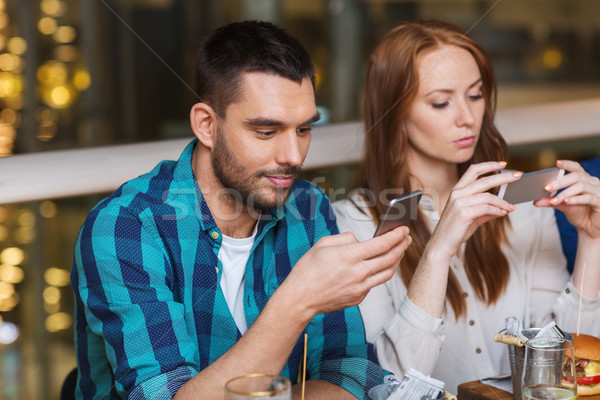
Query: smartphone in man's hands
{"points": [[399, 212], [531, 186]]}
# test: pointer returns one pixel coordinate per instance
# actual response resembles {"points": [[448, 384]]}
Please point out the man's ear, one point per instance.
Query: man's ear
{"points": [[203, 121]]}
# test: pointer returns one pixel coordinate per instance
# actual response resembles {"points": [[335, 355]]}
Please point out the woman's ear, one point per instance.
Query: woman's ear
{"points": [[203, 121]]}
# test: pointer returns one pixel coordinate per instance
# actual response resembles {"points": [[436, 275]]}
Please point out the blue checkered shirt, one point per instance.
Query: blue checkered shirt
{"points": [[150, 312]]}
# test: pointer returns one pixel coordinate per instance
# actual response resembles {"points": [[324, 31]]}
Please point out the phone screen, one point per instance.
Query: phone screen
{"points": [[399, 212], [530, 187]]}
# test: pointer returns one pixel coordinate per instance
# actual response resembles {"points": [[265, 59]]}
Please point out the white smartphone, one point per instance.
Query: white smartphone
{"points": [[399, 212], [530, 187]]}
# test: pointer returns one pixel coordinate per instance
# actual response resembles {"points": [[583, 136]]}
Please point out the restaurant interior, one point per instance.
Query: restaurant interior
{"points": [[80, 75]]}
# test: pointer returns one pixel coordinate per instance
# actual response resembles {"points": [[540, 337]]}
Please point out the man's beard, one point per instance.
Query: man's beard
{"points": [[242, 186]]}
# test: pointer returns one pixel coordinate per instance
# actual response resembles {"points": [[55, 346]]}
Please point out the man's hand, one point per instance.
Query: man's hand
{"points": [[338, 271]]}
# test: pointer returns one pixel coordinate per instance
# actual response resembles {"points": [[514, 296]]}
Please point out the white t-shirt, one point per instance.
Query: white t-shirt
{"points": [[233, 255]]}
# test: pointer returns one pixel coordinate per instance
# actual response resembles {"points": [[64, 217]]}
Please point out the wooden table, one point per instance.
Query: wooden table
{"points": [[476, 390]]}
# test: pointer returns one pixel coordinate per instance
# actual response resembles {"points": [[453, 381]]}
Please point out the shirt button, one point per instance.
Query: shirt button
{"points": [[215, 235], [471, 322], [217, 269], [567, 290], [478, 350]]}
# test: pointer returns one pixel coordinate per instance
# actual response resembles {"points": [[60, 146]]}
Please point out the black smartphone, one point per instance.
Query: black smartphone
{"points": [[399, 212], [530, 187]]}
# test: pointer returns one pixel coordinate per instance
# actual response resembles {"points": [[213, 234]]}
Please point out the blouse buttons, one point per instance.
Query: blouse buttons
{"points": [[215, 235], [478, 350], [465, 294], [471, 322], [567, 290]]}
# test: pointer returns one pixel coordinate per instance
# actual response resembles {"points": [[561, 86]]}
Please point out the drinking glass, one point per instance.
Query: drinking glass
{"points": [[548, 370], [258, 387]]}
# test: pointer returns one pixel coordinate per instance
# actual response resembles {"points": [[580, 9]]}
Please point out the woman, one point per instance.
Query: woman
{"points": [[475, 259]]}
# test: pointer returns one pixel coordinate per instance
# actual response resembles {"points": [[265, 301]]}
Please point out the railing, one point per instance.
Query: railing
{"points": [[57, 174]]}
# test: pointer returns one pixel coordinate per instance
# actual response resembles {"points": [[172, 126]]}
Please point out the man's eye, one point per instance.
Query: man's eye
{"points": [[265, 133], [305, 131]]}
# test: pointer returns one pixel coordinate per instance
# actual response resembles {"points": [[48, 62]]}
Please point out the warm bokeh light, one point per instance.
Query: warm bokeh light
{"points": [[3, 20], [10, 84], [7, 132], [51, 295], [11, 274], [57, 277], [66, 53], [9, 303], [64, 34], [60, 97], [47, 25], [48, 209], [17, 45], [2, 41], [9, 62], [55, 8], [47, 131], [58, 321], [14, 102], [6, 290], [3, 214], [43, 114], [26, 219], [3, 233], [81, 80], [25, 235], [52, 72], [12, 256], [10, 117], [52, 308], [552, 58]]}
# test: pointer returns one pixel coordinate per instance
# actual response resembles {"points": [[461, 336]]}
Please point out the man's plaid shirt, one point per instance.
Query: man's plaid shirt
{"points": [[150, 313]]}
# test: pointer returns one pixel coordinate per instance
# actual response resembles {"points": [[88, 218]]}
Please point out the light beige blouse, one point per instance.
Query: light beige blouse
{"points": [[539, 291]]}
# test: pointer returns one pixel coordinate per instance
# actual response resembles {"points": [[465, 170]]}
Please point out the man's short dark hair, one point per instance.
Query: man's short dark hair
{"points": [[248, 46]]}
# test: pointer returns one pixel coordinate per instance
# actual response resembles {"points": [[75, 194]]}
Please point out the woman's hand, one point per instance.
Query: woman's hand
{"points": [[470, 205], [580, 199]]}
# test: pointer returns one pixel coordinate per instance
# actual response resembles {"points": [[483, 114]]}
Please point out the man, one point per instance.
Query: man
{"points": [[183, 277]]}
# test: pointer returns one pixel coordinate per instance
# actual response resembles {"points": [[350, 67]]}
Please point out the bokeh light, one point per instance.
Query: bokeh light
{"points": [[11, 274], [81, 80], [47, 25], [51, 295], [55, 8], [48, 209], [17, 45], [12, 256], [57, 277], [64, 34], [59, 321], [552, 58]]}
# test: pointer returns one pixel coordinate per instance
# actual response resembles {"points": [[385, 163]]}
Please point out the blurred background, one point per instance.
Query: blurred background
{"points": [[88, 73]]}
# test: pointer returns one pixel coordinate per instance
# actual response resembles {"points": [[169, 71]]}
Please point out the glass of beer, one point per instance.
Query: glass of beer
{"points": [[258, 387], [549, 370]]}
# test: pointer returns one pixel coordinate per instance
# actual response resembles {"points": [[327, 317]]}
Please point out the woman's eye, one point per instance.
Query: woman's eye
{"points": [[440, 105], [477, 96]]}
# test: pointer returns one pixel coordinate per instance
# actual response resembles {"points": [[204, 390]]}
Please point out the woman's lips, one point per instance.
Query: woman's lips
{"points": [[465, 141]]}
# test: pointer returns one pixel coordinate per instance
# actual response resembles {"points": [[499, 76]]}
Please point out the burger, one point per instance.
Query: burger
{"points": [[587, 364]]}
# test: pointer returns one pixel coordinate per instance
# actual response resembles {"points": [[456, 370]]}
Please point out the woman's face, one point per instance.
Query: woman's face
{"points": [[444, 121]]}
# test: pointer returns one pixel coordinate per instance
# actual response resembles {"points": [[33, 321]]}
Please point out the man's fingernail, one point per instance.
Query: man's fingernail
{"points": [[503, 163], [517, 174], [548, 187]]}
